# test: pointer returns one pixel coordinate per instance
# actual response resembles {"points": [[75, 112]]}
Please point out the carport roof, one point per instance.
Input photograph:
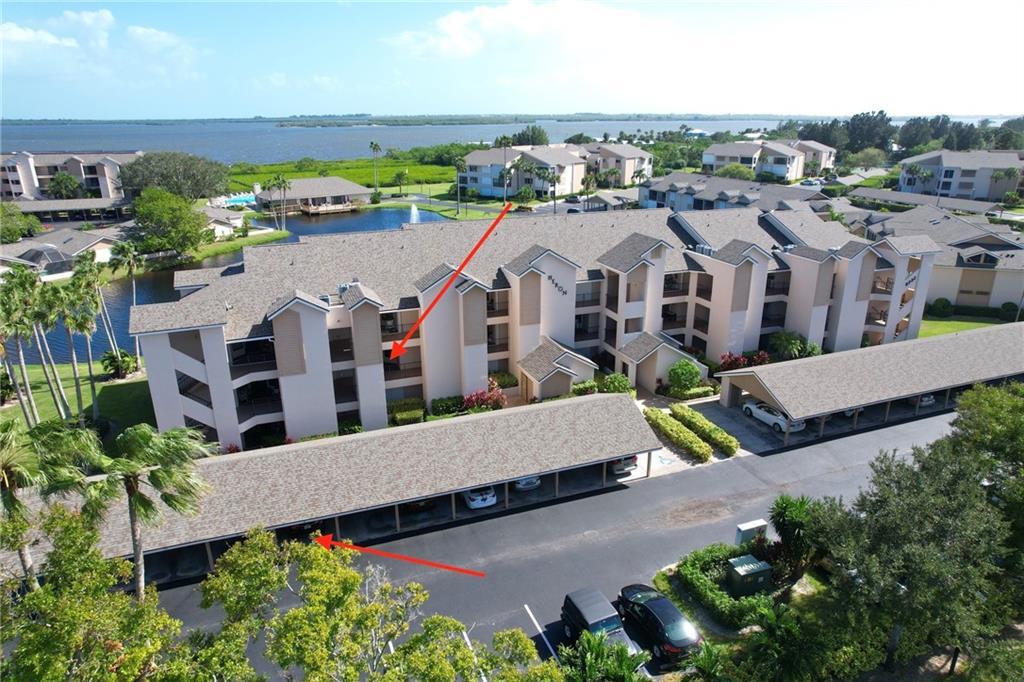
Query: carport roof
{"points": [[297, 483], [813, 387]]}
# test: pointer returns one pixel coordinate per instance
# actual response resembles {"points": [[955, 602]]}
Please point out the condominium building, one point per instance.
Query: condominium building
{"points": [[26, 175], [762, 156], [983, 175], [694, 192], [821, 155], [629, 163], [980, 263], [298, 335]]}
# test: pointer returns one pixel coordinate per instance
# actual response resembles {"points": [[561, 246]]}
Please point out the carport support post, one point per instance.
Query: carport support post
{"points": [[604, 474], [917, 405], [506, 494], [856, 416], [453, 506], [821, 427], [337, 527], [650, 459], [398, 522], [785, 441], [945, 404], [887, 406], [556, 484], [209, 554]]}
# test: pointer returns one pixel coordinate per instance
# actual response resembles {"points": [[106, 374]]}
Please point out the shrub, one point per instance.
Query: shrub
{"points": [[375, 197], [692, 393], [450, 405], [493, 398], [699, 572], [316, 436], [406, 404], [1011, 199], [349, 426], [678, 434], [941, 307], [616, 382], [1008, 312], [473, 193], [585, 387], [977, 311], [480, 408], [232, 448], [733, 361], [709, 432], [118, 364], [683, 374], [6, 388], [767, 178], [408, 417], [504, 379], [757, 358]]}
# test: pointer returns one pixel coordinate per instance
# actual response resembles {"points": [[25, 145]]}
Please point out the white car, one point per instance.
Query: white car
{"points": [[624, 465], [528, 483], [480, 498], [852, 411], [927, 400], [770, 416]]}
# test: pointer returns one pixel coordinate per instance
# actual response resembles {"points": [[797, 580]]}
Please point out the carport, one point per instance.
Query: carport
{"points": [[880, 383], [347, 483]]}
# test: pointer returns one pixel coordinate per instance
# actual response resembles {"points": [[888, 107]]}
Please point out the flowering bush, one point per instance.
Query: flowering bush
{"points": [[759, 358], [733, 361], [232, 448], [493, 398]]}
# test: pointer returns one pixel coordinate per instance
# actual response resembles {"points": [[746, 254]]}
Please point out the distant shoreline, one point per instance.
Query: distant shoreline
{"points": [[356, 120]]}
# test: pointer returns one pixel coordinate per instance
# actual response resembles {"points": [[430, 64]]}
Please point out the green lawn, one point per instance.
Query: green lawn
{"points": [[357, 170], [222, 247], [933, 326], [123, 402]]}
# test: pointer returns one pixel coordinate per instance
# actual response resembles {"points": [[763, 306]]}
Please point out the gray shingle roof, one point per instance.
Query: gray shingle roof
{"points": [[810, 252], [310, 188], [912, 199], [524, 261], [735, 251], [971, 160], [718, 228], [811, 230], [46, 205], [65, 240], [553, 156], [816, 386], [912, 244], [432, 277], [307, 481], [357, 293], [491, 157], [734, 149], [295, 295], [643, 345], [622, 150], [87, 158], [548, 357], [625, 255]]}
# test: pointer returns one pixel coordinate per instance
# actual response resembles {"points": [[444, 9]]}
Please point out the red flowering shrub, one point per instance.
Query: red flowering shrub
{"points": [[493, 398], [732, 361]]}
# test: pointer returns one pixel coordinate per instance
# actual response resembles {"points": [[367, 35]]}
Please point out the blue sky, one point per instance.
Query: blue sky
{"points": [[197, 60]]}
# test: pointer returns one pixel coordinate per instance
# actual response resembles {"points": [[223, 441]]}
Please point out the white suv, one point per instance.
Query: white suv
{"points": [[770, 416]]}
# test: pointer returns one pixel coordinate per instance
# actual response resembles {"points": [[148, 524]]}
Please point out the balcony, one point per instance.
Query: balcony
{"points": [[497, 345], [876, 316], [239, 370], [403, 370], [586, 334], [704, 292], [345, 390], [701, 324], [611, 302], [341, 349], [255, 408], [497, 303], [777, 287], [587, 300], [882, 286], [394, 332], [772, 321], [675, 285], [497, 311]]}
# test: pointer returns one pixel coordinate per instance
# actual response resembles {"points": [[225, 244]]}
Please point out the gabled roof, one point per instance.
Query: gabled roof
{"points": [[644, 344], [356, 294], [65, 240], [975, 159], [552, 156], [630, 252], [914, 199], [549, 357], [311, 188], [816, 386], [435, 275], [296, 296]]}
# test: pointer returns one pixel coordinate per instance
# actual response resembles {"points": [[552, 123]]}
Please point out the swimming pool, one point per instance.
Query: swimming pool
{"points": [[240, 200]]}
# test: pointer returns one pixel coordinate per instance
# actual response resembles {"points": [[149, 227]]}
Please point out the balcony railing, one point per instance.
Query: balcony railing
{"points": [[609, 337], [587, 334], [777, 290], [772, 321], [876, 316], [341, 350], [344, 391], [238, 371], [497, 345], [880, 286], [497, 311], [670, 291], [704, 292], [394, 332], [402, 371], [588, 301], [253, 359], [612, 302], [253, 408], [701, 325]]}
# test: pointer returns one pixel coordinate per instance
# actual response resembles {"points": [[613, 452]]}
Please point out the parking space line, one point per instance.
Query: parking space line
{"points": [[465, 636], [541, 632]]}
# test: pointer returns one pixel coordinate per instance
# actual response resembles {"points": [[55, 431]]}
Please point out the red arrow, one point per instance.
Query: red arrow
{"points": [[398, 347], [328, 541]]}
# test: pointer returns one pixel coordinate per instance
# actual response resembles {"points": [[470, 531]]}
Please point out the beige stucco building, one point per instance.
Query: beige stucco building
{"points": [[762, 156], [26, 175]]}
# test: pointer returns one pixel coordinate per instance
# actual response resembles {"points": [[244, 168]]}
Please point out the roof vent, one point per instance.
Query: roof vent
{"points": [[788, 247], [833, 249]]}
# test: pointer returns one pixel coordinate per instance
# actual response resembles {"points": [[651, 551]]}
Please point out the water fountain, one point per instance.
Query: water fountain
{"points": [[414, 214]]}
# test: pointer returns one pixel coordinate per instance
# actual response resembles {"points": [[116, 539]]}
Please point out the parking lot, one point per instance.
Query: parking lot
{"points": [[759, 438]]}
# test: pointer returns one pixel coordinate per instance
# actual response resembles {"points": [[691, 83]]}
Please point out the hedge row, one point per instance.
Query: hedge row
{"points": [[710, 432], [695, 573], [504, 379], [942, 307], [691, 393], [585, 387], [678, 434], [347, 426], [450, 405], [408, 417], [406, 404]]}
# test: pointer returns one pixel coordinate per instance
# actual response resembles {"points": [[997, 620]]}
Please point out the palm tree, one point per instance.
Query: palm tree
{"points": [[47, 457], [504, 141], [612, 176], [142, 463], [85, 263], [126, 255], [639, 175], [12, 375], [375, 148], [15, 295], [706, 664], [552, 176], [593, 657], [460, 167], [65, 304], [83, 318], [400, 178], [281, 183], [589, 183], [45, 315]]}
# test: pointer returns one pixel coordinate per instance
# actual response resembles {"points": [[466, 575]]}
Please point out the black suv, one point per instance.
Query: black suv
{"points": [[588, 609], [670, 634]]}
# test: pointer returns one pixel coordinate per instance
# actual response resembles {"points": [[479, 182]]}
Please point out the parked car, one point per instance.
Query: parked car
{"points": [[573, 210], [927, 400], [480, 498], [670, 634], [624, 465], [528, 483], [811, 182], [770, 416], [523, 209], [572, 199], [852, 411], [419, 506], [588, 609]]}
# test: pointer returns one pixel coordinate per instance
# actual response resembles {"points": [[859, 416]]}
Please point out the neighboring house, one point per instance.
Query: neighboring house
{"points": [[314, 196], [814, 152], [53, 253], [782, 161], [859, 175], [612, 199], [26, 175], [981, 264], [223, 221], [299, 335], [690, 191], [888, 196], [569, 166], [632, 163], [981, 175]]}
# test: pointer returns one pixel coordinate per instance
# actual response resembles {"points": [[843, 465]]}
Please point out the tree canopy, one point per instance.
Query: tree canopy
{"points": [[64, 185], [531, 134], [735, 170], [186, 175], [165, 221], [14, 224]]}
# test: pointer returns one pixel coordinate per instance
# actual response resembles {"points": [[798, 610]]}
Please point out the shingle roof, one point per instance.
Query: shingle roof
{"points": [[735, 252], [643, 345], [310, 188], [971, 160], [625, 151], [718, 228], [816, 386], [491, 157], [553, 156], [810, 252], [296, 295], [26, 205], [625, 255], [524, 261], [432, 277], [87, 158], [65, 240], [549, 357], [913, 199], [318, 479], [811, 230], [912, 244], [357, 293]]}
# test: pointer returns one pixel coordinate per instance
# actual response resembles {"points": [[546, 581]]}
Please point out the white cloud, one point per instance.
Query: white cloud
{"points": [[12, 34], [277, 80], [92, 27], [171, 54]]}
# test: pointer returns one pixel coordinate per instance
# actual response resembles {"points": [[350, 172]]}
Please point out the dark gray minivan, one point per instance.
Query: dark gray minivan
{"points": [[588, 609]]}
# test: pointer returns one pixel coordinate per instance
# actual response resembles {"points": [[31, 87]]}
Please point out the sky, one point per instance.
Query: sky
{"points": [[209, 60]]}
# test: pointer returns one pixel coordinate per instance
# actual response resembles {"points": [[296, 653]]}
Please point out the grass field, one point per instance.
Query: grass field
{"points": [[220, 248], [934, 326], [357, 170], [123, 402]]}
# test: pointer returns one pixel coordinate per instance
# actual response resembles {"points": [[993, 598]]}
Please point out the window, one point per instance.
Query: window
{"points": [[948, 173], [747, 160], [634, 325], [780, 160], [968, 173], [946, 184], [910, 181]]}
